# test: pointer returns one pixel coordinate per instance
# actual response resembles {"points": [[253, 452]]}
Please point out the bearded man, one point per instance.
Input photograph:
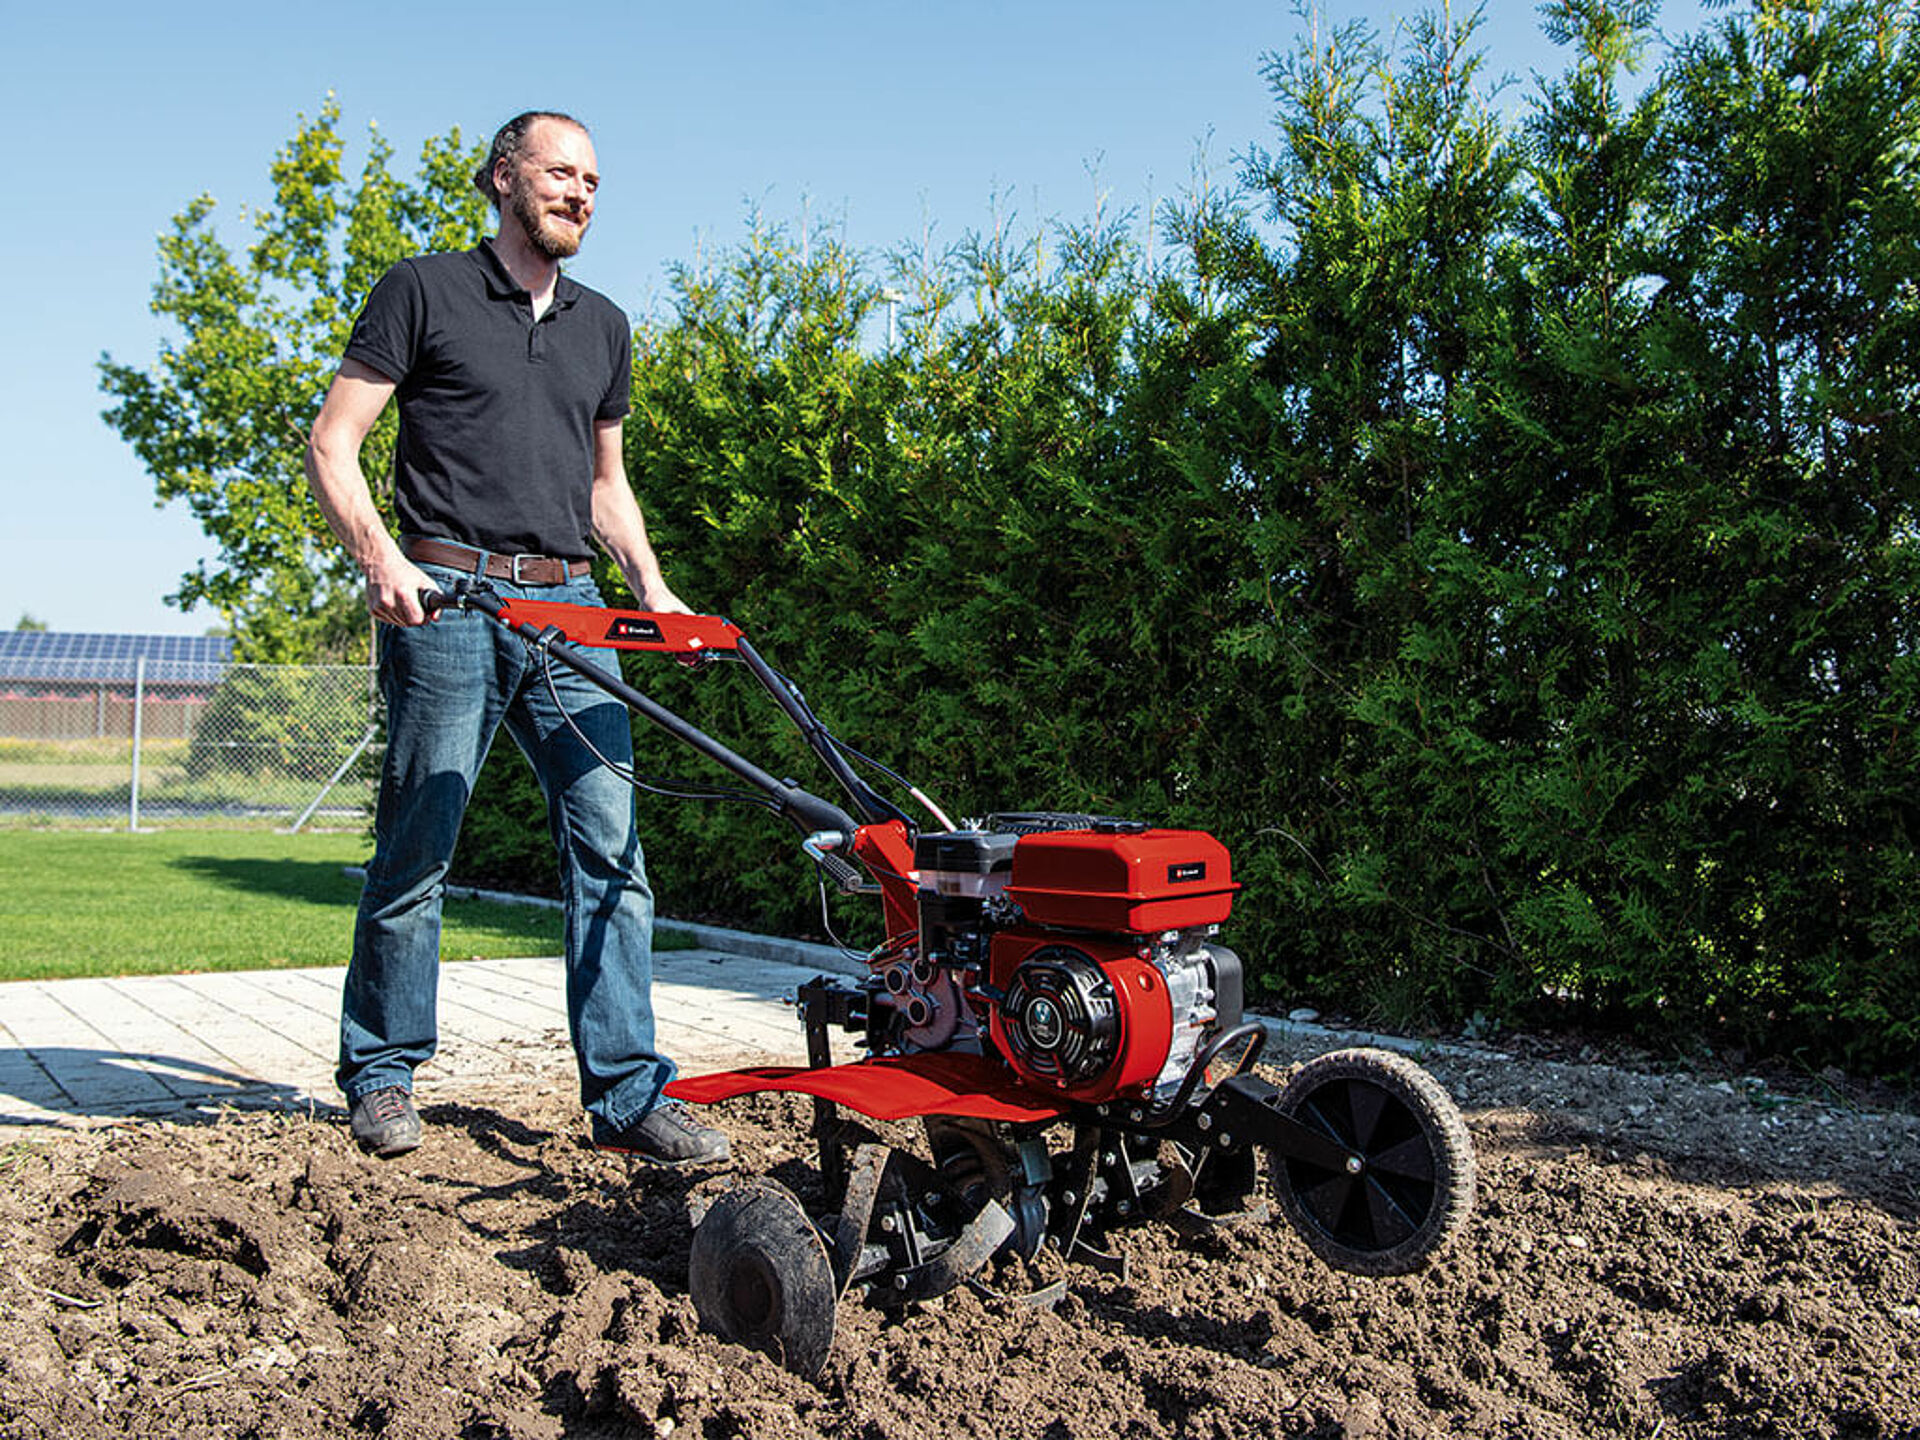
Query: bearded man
{"points": [[512, 383]]}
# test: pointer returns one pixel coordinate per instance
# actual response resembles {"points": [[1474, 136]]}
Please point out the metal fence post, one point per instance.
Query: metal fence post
{"points": [[373, 733], [139, 698]]}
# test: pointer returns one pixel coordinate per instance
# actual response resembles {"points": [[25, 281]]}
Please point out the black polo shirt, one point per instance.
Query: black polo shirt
{"points": [[497, 409]]}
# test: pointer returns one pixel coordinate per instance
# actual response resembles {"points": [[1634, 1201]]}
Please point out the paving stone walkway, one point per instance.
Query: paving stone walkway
{"points": [[78, 1053]]}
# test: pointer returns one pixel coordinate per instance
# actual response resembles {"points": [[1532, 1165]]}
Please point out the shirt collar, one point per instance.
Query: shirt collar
{"points": [[502, 286]]}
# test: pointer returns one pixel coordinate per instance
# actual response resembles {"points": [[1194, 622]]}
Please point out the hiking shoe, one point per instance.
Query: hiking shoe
{"points": [[385, 1122], [666, 1135]]}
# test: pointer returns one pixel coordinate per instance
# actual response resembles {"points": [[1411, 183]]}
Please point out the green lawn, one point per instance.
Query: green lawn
{"points": [[119, 904]]}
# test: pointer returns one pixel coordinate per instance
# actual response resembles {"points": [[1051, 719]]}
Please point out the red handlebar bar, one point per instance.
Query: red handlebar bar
{"points": [[681, 635], [623, 629]]}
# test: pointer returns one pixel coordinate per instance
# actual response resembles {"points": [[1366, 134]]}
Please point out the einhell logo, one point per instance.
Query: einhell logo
{"points": [[628, 628], [1182, 874]]}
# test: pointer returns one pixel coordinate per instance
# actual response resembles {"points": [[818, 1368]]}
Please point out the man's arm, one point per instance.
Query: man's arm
{"points": [[354, 401], [619, 526]]}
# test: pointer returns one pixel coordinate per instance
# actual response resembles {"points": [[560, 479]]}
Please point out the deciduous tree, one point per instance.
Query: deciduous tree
{"points": [[220, 416]]}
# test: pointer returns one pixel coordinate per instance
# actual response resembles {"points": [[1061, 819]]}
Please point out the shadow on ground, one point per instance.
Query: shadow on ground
{"points": [[125, 1084], [322, 882]]}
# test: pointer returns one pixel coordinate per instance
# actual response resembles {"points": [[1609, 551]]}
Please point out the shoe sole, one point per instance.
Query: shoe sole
{"points": [[389, 1150], [660, 1160]]}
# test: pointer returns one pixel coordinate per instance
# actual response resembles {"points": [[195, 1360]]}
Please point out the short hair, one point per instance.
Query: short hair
{"points": [[507, 142]]}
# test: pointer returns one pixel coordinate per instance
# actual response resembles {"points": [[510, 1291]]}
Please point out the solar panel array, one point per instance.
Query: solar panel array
{"points": [[75, 655]]}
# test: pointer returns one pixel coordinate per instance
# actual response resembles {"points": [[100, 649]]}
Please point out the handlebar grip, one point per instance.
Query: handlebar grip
{"points": [[434, 600], [847, 877]]}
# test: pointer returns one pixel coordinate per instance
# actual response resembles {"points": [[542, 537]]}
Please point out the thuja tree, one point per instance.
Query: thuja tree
{"points": [[1499, 530], [1792, 335], [220, 417], [758, 446], [1363, 681], [1586, 521], [1708, 391]]}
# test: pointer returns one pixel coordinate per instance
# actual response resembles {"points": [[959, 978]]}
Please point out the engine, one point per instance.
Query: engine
{"points": [[1080, 948]]}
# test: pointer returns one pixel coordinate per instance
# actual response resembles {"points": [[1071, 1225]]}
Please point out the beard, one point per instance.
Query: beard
{"points": [[553, 239]]}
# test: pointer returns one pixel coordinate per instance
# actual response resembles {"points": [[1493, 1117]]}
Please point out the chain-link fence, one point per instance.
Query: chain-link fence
{"points": [[169, 741]]}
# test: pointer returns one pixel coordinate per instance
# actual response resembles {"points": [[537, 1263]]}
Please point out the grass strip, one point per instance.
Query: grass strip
{"points": [[173, 902]]}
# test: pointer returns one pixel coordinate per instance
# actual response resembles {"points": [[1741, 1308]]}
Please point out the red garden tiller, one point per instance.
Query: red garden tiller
{"points": [[1052, 1004]]}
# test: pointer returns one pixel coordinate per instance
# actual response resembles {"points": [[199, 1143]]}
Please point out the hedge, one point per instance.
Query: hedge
{"points": [[1499, 529]]}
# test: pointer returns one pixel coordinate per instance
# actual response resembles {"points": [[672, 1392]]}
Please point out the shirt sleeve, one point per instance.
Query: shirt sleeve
{"points": [[619, 396], [387, 334]]}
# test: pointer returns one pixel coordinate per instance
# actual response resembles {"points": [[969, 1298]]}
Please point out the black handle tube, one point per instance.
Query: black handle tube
{"points": [[806, 811], [873, 807]]}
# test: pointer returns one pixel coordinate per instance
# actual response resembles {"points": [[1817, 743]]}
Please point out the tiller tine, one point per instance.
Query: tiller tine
{"points": [[976, 1243], [908, 1255], [864, 1175]]}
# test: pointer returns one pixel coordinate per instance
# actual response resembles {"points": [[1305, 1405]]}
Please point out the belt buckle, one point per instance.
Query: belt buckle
{"points": [[514, 573]]}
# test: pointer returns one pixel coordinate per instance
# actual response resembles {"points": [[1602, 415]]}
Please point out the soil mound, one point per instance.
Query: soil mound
{"points": [[1652, 1255]]}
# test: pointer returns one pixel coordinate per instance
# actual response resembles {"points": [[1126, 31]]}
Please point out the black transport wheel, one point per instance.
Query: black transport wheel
{"points": [[759, 1276], [1410, 1188]]}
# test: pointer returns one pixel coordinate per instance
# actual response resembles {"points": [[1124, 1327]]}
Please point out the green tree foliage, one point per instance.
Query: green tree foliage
{"points": [[1793, 333], [220, 418], [1589, 509], [1501, 531]]}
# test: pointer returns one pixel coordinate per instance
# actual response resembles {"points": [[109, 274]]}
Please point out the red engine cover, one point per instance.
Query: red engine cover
{"points": [[1138, 884]]}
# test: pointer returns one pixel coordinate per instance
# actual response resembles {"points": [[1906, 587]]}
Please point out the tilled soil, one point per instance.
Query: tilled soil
{"points": [[1651, 1256]]}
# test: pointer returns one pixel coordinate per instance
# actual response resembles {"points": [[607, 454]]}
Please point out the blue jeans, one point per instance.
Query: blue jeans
{"points": [[449, 686]]}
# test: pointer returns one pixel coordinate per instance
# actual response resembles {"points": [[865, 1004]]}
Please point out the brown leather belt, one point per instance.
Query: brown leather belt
{"points": [[516, 569]]}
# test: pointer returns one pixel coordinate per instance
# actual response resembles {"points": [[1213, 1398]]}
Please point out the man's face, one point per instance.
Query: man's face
{"points": [[550, 187]]}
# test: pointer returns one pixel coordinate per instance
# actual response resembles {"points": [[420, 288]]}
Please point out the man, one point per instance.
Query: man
{"points": [[512, 382]]}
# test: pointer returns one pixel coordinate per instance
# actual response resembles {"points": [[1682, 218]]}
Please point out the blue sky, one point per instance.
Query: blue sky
{"points": [[880, 118]]}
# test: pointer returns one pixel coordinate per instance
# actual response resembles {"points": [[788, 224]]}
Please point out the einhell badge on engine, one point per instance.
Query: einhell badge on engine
{"points": [[627, 627], [1182, 874]]}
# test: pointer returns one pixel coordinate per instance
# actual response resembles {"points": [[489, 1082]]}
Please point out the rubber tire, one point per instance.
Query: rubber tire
{"points": [[760, 1277], [1417, 1189]]}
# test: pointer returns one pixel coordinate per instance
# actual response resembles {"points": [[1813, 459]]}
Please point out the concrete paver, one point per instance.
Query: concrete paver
{"points": [[26, 1082], [79, 1053]]}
